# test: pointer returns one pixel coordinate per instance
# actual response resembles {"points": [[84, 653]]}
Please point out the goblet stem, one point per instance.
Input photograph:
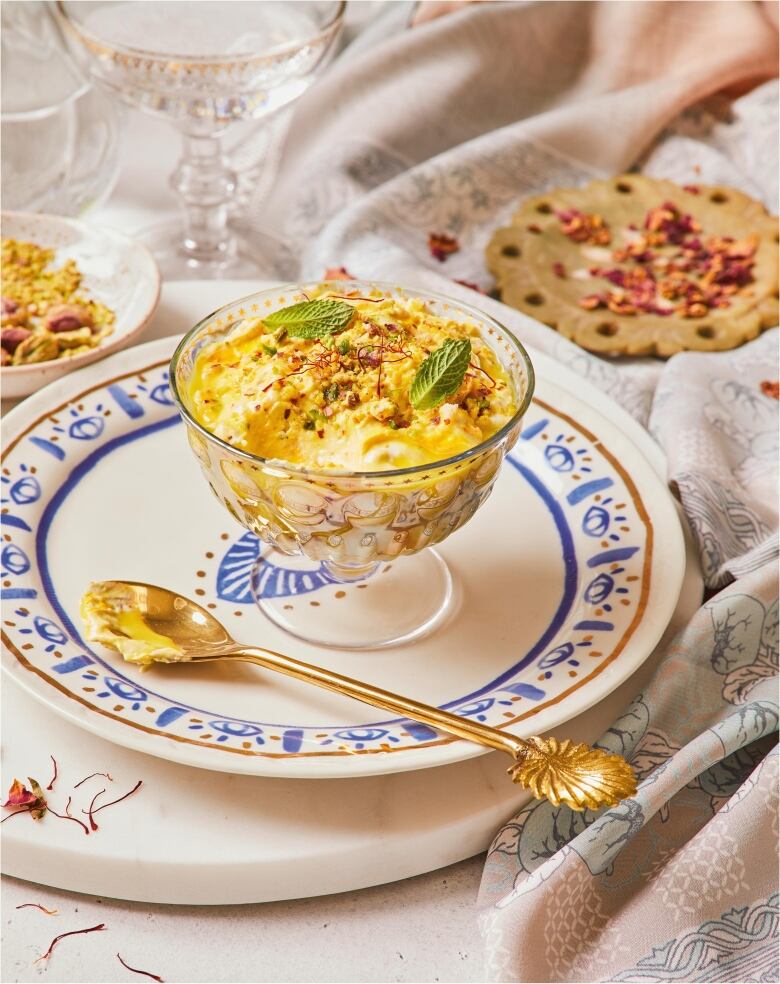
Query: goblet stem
{"points": [[347, 573], [205, 185]]}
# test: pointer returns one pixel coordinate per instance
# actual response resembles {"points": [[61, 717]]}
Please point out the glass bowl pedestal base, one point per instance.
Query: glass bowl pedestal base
{"points": [[369, 608]]}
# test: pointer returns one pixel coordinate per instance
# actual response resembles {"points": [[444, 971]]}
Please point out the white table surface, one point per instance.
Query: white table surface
{"points": [[421, 929]]}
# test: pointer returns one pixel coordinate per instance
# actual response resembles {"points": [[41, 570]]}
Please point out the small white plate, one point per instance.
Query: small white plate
{"points": [[568, 576], [118, 271]]}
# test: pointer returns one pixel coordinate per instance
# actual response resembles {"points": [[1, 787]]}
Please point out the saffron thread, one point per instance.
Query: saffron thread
{"points": [[134, 970], [75, 932], [119, 799], [88, 812], [27, 809], [354, 297], [66, 816], [37, 905], [92, 776], [54, 777], [480, 369]]}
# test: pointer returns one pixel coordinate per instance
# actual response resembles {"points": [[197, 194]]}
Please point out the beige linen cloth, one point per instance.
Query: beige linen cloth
{"points": [[445, 127]]}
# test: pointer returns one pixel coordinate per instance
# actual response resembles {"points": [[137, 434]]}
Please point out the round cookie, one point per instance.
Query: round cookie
{"points": [[640, 266]]}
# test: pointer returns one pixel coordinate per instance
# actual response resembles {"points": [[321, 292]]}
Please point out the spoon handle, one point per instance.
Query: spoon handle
{"points": [[404, 706]]}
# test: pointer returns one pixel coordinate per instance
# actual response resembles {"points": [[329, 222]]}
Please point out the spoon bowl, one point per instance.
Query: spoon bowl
{"points": [[193, 629]]}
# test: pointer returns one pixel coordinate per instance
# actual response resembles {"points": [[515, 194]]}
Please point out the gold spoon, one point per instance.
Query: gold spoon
{"points": [[151, 624]]}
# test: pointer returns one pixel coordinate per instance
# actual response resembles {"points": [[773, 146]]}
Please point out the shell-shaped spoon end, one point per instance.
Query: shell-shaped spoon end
{"points": [[576, 775]]}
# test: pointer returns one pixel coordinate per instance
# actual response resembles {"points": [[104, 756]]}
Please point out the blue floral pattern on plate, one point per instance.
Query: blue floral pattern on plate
{"points": [[605, 542]]}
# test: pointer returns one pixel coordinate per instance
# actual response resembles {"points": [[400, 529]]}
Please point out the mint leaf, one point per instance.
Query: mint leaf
{"points": [[440, 374], [312, 319]]}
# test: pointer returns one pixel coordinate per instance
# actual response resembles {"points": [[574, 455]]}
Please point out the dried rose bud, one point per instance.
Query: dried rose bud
{"points": [[68, 317], [19, 795], [11, 337]]}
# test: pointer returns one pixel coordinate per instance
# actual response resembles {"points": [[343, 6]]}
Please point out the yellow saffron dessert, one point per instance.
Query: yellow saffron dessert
{"points": [[110, 615], [350, 382]]}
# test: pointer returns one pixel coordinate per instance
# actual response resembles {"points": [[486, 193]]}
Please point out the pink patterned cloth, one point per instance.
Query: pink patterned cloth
{"points": [[680, 882]]}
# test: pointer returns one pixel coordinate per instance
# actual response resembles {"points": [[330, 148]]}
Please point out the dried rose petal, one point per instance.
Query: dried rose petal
{"points": [[19, 795], [559, 269], [468, 283], [38, 808], [592, 301], [743, 249], [616, 276], [695, 310], [618, 303], [582, 227], [771, 389], [697, 276], [337, 273], [667, 224], [441, 245]]}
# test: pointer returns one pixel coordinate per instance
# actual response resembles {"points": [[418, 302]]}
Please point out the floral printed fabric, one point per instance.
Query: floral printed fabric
{"points": [[679, 882], [443, 129], [720, 432]]}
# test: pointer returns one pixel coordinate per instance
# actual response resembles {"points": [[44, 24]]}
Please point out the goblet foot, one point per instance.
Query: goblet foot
{"points": [[374, 607], [261, 258]]}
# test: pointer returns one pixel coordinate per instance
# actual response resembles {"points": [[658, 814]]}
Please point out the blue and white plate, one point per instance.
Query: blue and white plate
{"points": [[567, 578]]}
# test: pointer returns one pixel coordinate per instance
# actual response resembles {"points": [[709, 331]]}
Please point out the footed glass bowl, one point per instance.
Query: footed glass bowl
{"points": [[376, 528]]}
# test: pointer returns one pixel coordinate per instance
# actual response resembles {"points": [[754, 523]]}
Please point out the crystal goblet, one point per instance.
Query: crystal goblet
{"points": [[59, 134], [204, 66], [347, 557]]}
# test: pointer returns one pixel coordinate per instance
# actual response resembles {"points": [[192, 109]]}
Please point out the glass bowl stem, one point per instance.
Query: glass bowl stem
{"points": [[205, 185]]}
